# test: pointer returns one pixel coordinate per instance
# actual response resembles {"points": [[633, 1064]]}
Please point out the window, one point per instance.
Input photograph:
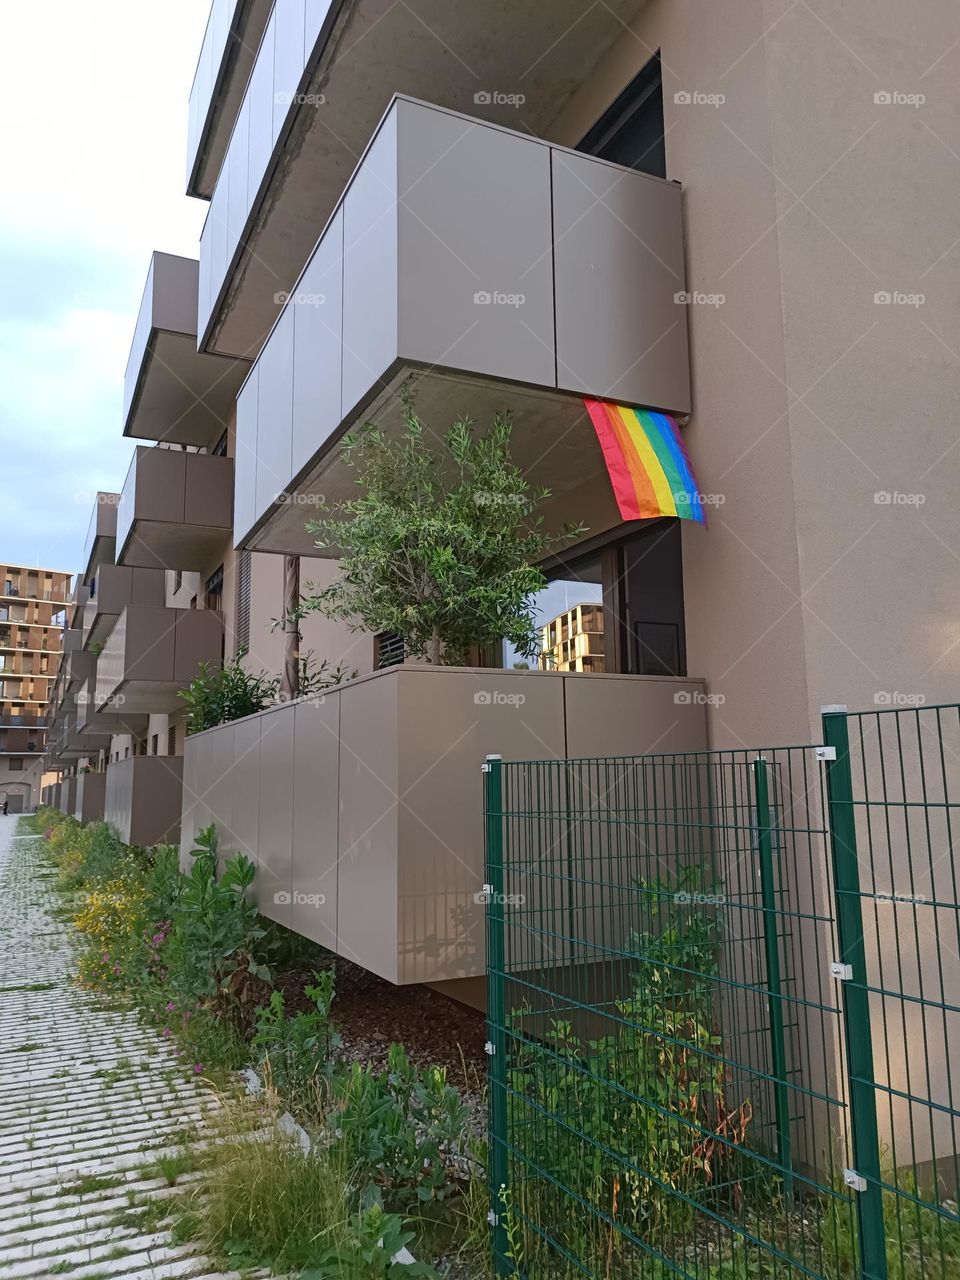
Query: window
{"points": [[569, 612], [244, 574], [172, 741], [16, 764], [219, 450], [631, 132], [155, 745], [213, 592]]}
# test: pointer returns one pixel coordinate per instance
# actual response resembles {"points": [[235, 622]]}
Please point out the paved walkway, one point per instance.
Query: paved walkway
{"points": [[89, 1101]]}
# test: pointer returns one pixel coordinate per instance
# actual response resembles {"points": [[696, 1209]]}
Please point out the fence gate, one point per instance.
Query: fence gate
{"points": [[724, 991]]}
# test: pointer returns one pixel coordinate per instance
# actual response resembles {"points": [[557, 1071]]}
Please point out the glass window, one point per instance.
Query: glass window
{"points": [[569, 614]]}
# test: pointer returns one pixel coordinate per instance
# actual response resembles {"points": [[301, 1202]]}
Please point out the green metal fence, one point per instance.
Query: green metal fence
{"points": [[723, 996]]}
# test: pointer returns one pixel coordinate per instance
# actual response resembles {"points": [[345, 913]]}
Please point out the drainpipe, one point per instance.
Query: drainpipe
{"points": [[290, 680]]}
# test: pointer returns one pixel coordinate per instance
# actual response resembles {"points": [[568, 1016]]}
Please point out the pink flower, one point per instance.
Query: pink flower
{"points": [[106, 957], [166, 1033], [197, 1068], [170, 1005]]}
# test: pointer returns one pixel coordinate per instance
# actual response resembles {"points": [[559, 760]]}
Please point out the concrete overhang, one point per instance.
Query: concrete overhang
{"points": [[176, 509], [153, 653]]}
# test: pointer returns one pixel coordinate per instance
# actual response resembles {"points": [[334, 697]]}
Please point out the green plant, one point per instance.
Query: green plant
{"points": [[441, 543], [316, 679], [371, 1241], [224, 692], [396, 1126], [297, 1050], [215, 929]]}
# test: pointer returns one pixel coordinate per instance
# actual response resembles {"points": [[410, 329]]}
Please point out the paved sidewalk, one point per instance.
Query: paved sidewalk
{"points": [[89, 1100]]}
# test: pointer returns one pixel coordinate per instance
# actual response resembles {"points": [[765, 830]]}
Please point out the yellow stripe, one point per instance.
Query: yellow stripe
{"points": [[649, 461]]}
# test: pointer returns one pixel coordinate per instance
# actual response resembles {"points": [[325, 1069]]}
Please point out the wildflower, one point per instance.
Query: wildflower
{"points": [[197, 1068], [105, 957], [166, 1033], [170, 1006]]}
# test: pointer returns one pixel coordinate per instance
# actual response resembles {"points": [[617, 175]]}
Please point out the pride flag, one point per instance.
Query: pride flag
{"points": [[647, 462]]}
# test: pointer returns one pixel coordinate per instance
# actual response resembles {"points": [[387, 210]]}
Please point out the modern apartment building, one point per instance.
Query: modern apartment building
{"points": [[573, 640], [638, 227], [32, 614]]}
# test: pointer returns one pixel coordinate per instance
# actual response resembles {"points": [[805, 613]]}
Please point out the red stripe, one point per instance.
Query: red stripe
{"points": [[618, 468]]}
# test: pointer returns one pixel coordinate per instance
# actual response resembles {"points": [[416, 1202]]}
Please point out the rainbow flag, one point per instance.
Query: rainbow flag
{"points": [[647, 462]]}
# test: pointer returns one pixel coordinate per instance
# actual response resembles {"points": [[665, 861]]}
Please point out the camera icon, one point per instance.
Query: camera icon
{"points": [[281, 898], [482, 298], [882, 699], [483, 98], [882, 297], [683, 697], [683, 98], [682, 298], [482, 698], [883, 499], [883, 98]]}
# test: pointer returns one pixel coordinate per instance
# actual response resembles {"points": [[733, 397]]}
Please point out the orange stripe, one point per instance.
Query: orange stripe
{"points": [[647, 502]]}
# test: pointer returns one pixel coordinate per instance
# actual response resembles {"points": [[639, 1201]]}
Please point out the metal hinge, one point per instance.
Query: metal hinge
{"points": [[825, 753], [855, 1181], [842, 971], [489, 1048]]}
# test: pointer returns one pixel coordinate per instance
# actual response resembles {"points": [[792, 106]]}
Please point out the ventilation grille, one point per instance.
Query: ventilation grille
{"points": [[244, 572]]}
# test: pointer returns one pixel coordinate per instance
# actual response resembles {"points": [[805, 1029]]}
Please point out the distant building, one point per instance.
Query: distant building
{"points": [[573, 641], [32, 609]]}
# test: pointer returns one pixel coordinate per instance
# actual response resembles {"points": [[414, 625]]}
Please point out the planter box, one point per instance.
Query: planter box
{"points": [[90, 797], [143, 797]]}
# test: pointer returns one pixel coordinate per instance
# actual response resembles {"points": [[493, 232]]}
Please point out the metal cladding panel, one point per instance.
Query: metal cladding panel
{"points": [[149, 644], [157, 799], [275, 413], [208, 491], [370, 333], [245, 509], [368, 849], [194, 810], [146, 586], [315, 11], [621, 333], [218, 783], [199, 638], [317, 307], [244, 833], [260, 95], [441, 863], [160, 480], [316, 807], [475, 284], [206, 286], [288, 58], [274, 853], [238, 189]]}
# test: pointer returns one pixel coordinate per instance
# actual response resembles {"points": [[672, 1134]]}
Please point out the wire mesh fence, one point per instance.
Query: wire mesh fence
{"points": [[683, 987]]}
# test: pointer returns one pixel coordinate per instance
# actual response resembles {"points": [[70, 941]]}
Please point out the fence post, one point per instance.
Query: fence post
{"points": [[771, 941], [496, 1025], [856, 1001]]}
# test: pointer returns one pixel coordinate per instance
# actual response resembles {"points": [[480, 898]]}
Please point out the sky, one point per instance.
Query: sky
{"points": [[93, 127]]}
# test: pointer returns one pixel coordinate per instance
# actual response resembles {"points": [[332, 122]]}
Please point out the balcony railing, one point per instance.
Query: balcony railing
{"points": [[152, 654], [323, 76], [98, 546], [486, 269], [142, 799], [175, 510], [118, 586]]}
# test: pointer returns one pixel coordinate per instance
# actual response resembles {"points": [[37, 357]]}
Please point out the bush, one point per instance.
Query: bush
{"points": [[396, 1126], [297, 1052], [221, 693]]}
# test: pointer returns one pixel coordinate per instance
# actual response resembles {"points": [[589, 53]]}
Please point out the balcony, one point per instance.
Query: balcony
{"points": [[92, 722], [234, 30], [175, 510], [100, 542], [324, 74], [118, 585], [66, 742], [484, 270], [142, 798], [72, 639], [152, 654], [363, 814], [171, 392]]}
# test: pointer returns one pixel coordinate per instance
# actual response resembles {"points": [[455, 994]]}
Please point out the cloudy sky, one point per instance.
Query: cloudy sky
{"points": [[93, 105]]}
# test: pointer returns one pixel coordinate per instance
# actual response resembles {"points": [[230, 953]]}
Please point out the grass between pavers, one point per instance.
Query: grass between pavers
{"points": [[248, 1194]]}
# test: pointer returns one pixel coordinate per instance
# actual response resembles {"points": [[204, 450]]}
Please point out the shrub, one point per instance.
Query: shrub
{"points": [[396, 1126], [297, 1051], [224, 692], [111, 923]]}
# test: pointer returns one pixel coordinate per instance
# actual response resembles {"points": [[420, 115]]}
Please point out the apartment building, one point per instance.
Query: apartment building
{"points": [[638, 227], [573, 640], [33, 603]]}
